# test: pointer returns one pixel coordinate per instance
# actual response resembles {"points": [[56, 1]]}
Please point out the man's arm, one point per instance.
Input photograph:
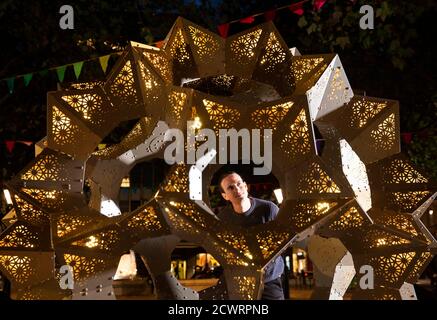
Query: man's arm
{"points": [[273, 211]]}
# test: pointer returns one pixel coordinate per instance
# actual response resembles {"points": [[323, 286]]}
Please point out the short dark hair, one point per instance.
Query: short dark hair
{"points": [[222, 176]]}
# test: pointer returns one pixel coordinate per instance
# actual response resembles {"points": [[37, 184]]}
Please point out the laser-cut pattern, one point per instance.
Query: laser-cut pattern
{"points": [[246, 286], [18, 267], [274, 54], [20, 237], [243, 47], [147, 219], [269, 241], [178, 48], [84, 267], [364, 110], [46, 168], [317, 181], [268, 118], [161, 64], [222, 117], [383, 137], [205, 44], [63, 130], [391, 268], [297, 142], [124, 85], [402, 172], [350, 219], [29, 212], [88, 105]]}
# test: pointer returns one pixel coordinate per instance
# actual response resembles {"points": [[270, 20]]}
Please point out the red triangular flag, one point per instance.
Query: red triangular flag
{"points": [[159, 44], [318, 4], [270, 15], [407, 137], [223, 30], [297, 8], [27, 143], [248, 20], [10, 145]]}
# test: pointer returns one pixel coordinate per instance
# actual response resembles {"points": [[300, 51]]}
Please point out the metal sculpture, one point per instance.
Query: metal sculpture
{"points": [[359, 191]]}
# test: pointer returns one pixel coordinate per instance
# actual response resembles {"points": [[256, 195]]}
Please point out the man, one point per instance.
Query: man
{"points": [[248, 211]]}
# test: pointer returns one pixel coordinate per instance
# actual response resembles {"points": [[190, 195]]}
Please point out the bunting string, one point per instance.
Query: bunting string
{"points": [[223, 29]]}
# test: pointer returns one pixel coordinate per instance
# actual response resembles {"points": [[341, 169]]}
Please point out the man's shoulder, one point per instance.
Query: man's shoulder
{"points": [[225, 211], [262, 202], [267, 207]]}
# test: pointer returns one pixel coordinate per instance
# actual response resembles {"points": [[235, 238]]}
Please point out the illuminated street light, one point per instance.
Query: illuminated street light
{"points": [[7, 196], [278, 195]]}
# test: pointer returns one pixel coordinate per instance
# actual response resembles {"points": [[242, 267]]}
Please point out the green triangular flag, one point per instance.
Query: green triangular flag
{"points": [[77, 68], [61, 72], [104, 62], [27, 78], [10, 82], [43, 73]]}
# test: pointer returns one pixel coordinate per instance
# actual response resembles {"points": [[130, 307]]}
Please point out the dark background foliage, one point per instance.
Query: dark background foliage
{"points": [[396, 60]]}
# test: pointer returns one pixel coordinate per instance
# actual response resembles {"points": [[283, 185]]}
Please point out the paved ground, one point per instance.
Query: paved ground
{"points": [[296, 292]]}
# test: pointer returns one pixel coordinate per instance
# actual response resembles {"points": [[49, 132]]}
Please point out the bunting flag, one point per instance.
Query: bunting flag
{"points": [[61, 72], [223, 30], [247, 20], [159, 44], [27, 143], [43, 73], [407, 137], [318, 4], [270, 15], [27, 78], [10, 82], [78, 69], [297, 8], [104, 62], [10, 144]]}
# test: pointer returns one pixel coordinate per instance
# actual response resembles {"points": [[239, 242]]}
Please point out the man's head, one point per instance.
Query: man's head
{"points": [[232, 187]]}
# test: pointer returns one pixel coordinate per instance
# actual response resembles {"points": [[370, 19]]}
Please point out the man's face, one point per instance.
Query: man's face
{"points": [[235, 188]]}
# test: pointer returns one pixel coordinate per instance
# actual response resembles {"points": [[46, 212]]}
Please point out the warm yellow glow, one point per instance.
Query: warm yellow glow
{"points": [[51, 194], [92, 242], [7, 196], [323, 206], [247, 254], [197, 124], [125, 183], [381, 242]]}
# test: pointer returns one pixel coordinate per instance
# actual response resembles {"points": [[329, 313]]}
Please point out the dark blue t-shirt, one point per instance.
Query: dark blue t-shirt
{"points": [[260, 211]]}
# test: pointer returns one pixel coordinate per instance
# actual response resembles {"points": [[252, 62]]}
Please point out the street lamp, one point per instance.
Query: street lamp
{"points": [[278, 195], [7, 195]]}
